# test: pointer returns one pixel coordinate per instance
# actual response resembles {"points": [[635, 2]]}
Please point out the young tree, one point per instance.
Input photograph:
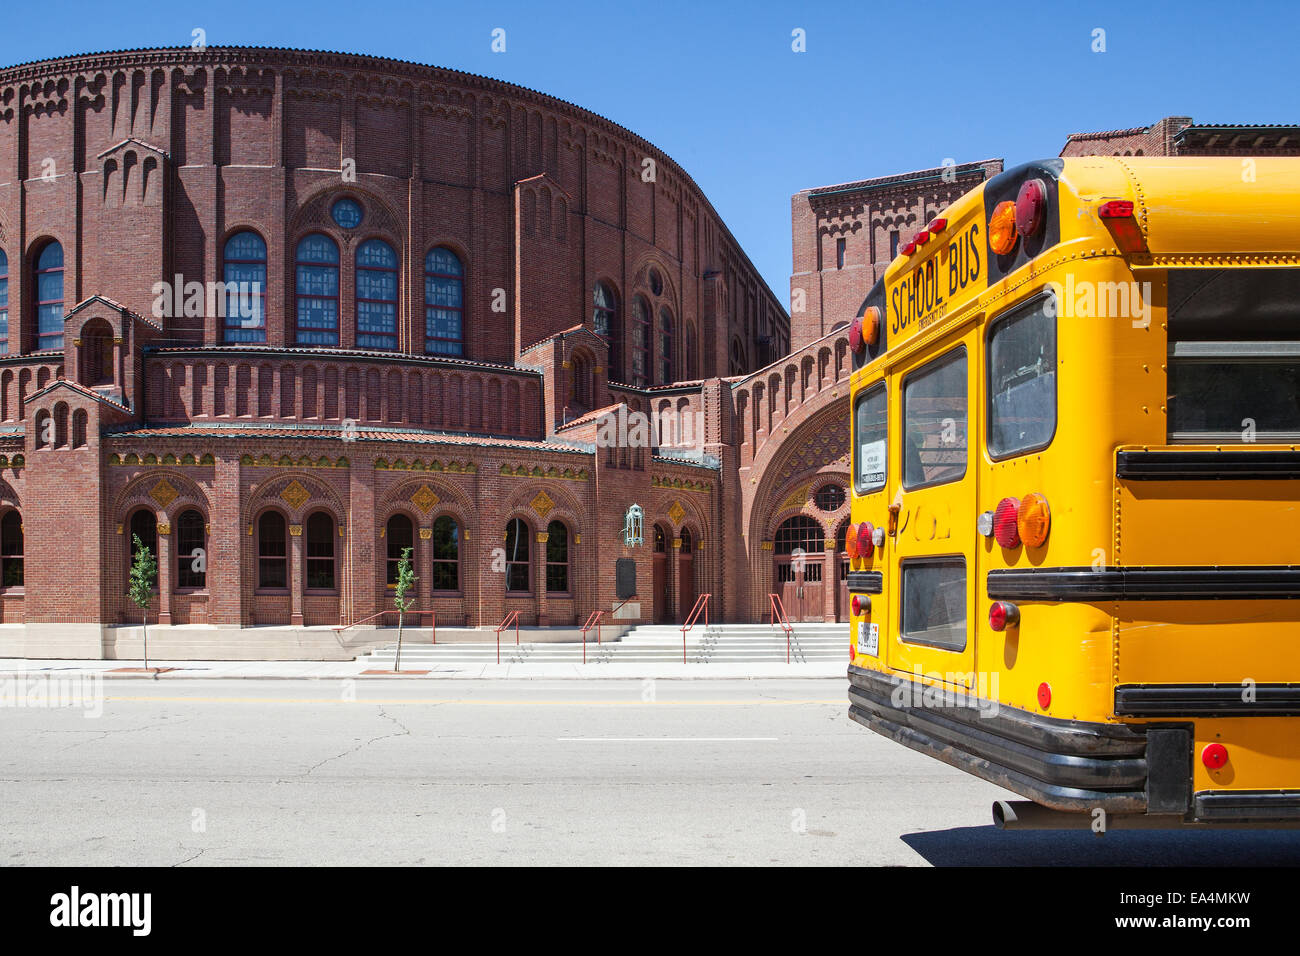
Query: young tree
{"points": [[405, 581], [144, 572]]}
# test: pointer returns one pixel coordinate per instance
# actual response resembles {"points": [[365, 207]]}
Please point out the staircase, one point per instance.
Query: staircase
{"points": [[647, 644]]}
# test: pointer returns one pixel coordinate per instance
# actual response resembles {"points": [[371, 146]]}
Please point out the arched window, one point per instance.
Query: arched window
{"points": [[692, 363], [400, 535], [376, 295], [665, 346], [799, 533], [191, 551], [605, 321], [143, 525], [444, 303], [4, 303], [446, 554], [79, 421], [244, 272], [49, 297], [738, 361], [61, 425], [11, 550], [95, 365], [320, 552], [44, 424], [640, 342], [557, 557], [272, 552], [517, 576], [317, 291], [661, 540], [582, 381]]}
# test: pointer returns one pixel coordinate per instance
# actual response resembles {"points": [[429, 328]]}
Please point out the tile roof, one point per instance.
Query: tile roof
{"points": [[335, 433]]}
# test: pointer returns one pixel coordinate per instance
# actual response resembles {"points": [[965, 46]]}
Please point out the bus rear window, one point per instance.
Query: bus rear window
{"points": [[934, 422], [934, 602], [1022, 380], [869, 439], [1234, 355]]}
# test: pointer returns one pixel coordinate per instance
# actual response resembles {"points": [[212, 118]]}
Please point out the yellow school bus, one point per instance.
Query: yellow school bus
{"points": [[1075, 538]]}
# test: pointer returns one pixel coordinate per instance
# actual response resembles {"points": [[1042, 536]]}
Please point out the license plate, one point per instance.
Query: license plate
{"points": [[869, 639]]}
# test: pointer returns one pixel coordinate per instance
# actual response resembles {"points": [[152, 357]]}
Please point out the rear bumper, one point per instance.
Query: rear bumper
{"points": [[1063, 764], [1066, 765]]}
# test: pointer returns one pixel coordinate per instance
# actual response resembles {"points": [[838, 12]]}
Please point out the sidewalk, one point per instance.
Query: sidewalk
{"points": [[355, 670]]}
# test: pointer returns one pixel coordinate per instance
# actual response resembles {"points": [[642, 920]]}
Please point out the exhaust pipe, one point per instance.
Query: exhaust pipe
{"points": [[1027, 815]]}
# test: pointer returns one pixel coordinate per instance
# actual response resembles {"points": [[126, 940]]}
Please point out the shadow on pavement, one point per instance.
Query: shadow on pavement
{"points": [[989, 846]]}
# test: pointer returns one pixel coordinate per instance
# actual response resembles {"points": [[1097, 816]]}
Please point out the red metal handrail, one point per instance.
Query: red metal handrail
{"points": [[778, 617], [365, 620], [511, 618], [593, 620], [701, 604]]}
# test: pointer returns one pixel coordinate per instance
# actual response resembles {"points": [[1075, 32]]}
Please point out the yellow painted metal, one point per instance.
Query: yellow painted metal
{"points": [[1111, 395]]}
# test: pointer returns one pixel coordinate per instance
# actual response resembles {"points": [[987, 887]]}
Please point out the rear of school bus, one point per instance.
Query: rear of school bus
{"points": [[1076, 434]]}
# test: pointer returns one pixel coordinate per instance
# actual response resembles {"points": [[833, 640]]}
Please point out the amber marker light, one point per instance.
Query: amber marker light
{"points": [[871, 326], [1034, 520], [1002, 227]]}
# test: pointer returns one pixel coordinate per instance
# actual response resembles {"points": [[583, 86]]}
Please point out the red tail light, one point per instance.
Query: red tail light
{"points": [[861, 604], [866, 547], [1214, 756], [1002, 615], [856, 341], [1004, 523], [1031, 207]]}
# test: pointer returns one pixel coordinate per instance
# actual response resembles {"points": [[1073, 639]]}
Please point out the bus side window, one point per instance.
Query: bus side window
{"points": [[1022, 379], [869, 440], [1234, 355], [934, 422]]}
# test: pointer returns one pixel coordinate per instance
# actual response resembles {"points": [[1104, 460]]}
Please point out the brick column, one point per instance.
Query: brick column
{"points": [[540, 580], [295, 575], [423, 558], [830, 578], [675, 609], [165, 553]]}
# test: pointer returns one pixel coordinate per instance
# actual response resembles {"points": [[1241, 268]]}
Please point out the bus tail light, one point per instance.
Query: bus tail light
{"points": [[1002, 227], [1031, 207], [856, 339], [1002, 615], [851, 541], [1214, 756], [861, 605], [1035, 520], [866, 545], [1117, 214], [1005, 518]]}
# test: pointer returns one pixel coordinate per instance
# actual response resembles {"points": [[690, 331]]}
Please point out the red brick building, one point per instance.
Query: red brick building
{"points": [[283, 314]]}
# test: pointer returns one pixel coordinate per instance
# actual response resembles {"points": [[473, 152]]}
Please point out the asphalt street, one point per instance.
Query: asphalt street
{"points": [[623, 772]]}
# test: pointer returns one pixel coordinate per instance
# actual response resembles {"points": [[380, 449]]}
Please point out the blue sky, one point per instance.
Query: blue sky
{"points": [[882, 87]]}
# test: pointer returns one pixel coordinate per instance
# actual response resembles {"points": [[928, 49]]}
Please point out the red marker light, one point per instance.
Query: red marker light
{"points": [[1002, 615], [922, 238], [856, 341], [1044, 695], [1117, 214], [1005, 518], [1214, 756], [908, 249], [937, 226]]}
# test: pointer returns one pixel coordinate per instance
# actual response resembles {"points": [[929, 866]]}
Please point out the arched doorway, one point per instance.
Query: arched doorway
{"points": [[663, 607], [800, 553]]}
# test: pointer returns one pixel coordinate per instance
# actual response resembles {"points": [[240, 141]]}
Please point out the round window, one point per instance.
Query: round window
{"points": [[829, 497], [347, 213]]}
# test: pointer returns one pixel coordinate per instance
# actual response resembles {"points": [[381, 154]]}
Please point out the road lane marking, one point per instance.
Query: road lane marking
{"points": [[659, 740], [524, 702]]}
